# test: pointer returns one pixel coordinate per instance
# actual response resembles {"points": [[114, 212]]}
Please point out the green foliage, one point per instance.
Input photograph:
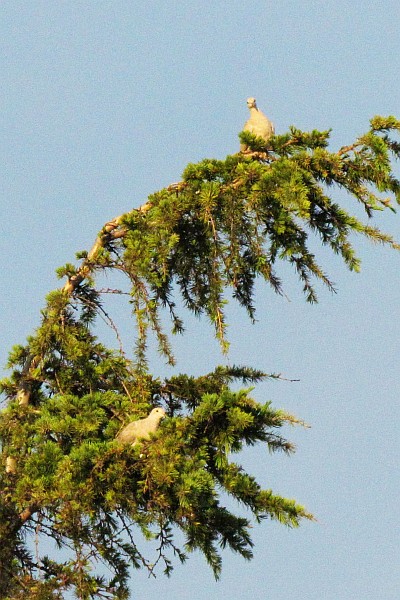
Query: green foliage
{"points": [[63, 474], [230, 222], [84, 487]]}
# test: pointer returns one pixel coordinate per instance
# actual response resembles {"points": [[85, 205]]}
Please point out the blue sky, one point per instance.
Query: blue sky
{"points": [[104, 102]]}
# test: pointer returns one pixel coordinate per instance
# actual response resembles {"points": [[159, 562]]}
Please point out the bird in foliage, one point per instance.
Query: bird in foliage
{"points": [[258, 124], [142, 428]]}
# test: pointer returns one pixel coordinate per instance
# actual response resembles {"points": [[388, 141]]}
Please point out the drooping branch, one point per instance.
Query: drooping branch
{"points": [[225, 224], [240, 176], [111, 230]]}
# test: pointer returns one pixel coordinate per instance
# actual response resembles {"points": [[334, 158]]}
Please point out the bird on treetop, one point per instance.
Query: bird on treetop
{"points": [[142, 428], [258, 124]]}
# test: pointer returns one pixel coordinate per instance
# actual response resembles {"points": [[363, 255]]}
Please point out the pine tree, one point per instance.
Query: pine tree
{"points": [[63, 474]]}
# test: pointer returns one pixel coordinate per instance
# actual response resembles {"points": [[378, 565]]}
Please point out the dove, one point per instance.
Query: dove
{"points": [[258, 124], [142, 428]]}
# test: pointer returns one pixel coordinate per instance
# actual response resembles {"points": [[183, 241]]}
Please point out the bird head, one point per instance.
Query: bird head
{"points": [[251, 103], [157, 413]]}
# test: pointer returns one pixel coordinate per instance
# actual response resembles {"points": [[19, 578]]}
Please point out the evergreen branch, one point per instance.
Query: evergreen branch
{"points": [[225, 224], [111, 230]]}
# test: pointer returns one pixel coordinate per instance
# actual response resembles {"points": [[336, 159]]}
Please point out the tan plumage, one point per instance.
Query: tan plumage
{"points": [[258, 124], [142, 428]]}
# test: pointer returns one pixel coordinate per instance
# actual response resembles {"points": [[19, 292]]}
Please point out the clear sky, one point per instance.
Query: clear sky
{"points": [[103, 102]]}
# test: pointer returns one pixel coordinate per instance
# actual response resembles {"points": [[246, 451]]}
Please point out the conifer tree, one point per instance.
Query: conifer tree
{"points": [[64, 475]]}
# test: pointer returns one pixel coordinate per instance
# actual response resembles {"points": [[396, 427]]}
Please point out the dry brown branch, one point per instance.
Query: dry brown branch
{"points": [[346, 149], [26, 514]]}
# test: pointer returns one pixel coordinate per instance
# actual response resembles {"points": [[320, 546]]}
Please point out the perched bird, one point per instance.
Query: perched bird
{"points": [[258, 123], [142, 428]]}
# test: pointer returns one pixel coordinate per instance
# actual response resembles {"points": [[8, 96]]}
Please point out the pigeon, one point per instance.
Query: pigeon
{"points": [[258, 123], [142, 428]]}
